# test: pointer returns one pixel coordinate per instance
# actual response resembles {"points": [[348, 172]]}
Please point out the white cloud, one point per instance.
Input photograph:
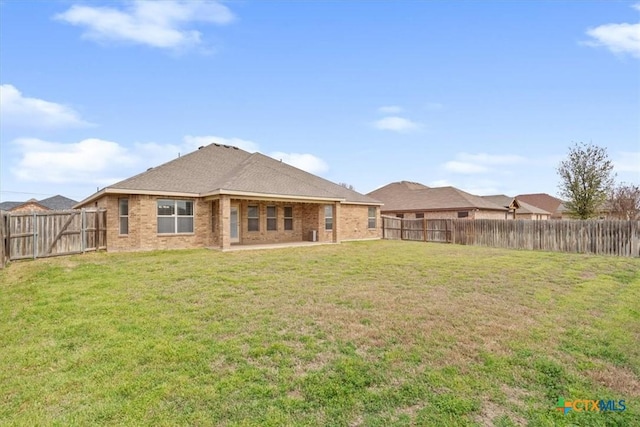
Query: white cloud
{"points": [[466, 163], [482, 190], [396, 124], [102, 162], [17, 110], [390, 109], [157, 24], [439, 183], [91, 161], [307, 162], [627, 162], [491, 159], [464, 167], [618, 38]]}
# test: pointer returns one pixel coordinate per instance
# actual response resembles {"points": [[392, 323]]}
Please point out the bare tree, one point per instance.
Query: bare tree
{"points": [[624, 201], [347, 186], [586, 179]]}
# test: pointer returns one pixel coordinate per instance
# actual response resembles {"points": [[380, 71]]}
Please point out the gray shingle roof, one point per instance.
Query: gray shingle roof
{"points": [[56, 203], [223, 168], [398, 196], [5, 206]]}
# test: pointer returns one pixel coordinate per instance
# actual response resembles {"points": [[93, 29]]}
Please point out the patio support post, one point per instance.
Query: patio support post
{"points": [[224, 213], [336, 222]]}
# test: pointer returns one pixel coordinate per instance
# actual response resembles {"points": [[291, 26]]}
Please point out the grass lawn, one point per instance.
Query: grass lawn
{"points": [[366, 333]]}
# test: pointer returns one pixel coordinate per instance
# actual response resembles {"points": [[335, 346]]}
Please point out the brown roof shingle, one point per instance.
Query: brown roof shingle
{"points": [[219, 168], [398, 196], [543, 201], [524, 207]]}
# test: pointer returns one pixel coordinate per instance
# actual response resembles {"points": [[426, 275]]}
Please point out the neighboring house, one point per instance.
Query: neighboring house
{"points": [[517, 208], [55, 203], [545, 202], [220, 195], [406, 199]]}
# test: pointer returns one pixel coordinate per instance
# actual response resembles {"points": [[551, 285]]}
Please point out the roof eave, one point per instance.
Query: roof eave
{"points": [[108, 190], [268, 196]]}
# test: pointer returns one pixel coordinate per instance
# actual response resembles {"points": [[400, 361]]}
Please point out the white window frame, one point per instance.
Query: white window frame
{"points": [[272, 221], [176, 217], [254, 218], [372, 219], [288, 219], [328, 217], [122, 216]]}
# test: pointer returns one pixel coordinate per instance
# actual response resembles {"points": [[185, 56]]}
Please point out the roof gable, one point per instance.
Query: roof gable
{"points": [[543, 201], [514, 202]]}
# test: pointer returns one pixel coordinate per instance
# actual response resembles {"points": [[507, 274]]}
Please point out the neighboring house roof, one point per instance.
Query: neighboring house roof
{"points": [[522, 207], [55, 203], [222, 169], [58, 203], [398, 196], [7, 206], [543, 201], [410, 185]]}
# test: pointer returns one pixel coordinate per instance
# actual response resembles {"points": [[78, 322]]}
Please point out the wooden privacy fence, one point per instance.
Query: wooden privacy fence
{"points": [[40, 234], [602, 237], [4, 242]]}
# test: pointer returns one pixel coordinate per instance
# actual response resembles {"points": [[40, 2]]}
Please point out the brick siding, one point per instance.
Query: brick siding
{"points": [[350, 222]]}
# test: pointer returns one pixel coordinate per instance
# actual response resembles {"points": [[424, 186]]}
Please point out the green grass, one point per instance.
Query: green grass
{"points": [[365, 333]]}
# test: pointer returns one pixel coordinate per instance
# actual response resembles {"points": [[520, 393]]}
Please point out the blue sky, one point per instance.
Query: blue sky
{"points": [[485, 96]]}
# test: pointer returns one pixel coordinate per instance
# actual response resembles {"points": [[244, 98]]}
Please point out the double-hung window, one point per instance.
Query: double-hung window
{"points": [[328, 217], [288, 218], [123, 210], [371, 222], [253, 218], [175, 216], [272, 218]]}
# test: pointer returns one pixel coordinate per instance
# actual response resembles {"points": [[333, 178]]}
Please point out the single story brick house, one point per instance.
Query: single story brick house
{"points": [[547, 203], [220, 195], [411, 200], [54, 203], [518, 208]]}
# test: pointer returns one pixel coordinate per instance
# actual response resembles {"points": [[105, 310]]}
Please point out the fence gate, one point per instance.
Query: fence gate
{"points": [[50, 233]]}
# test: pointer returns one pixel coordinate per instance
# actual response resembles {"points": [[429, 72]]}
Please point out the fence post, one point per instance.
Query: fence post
{"points": [[635, 239], [35, 235], [3, 233], [384, 234], [83, 231], [424, 229], [401, 228]]}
